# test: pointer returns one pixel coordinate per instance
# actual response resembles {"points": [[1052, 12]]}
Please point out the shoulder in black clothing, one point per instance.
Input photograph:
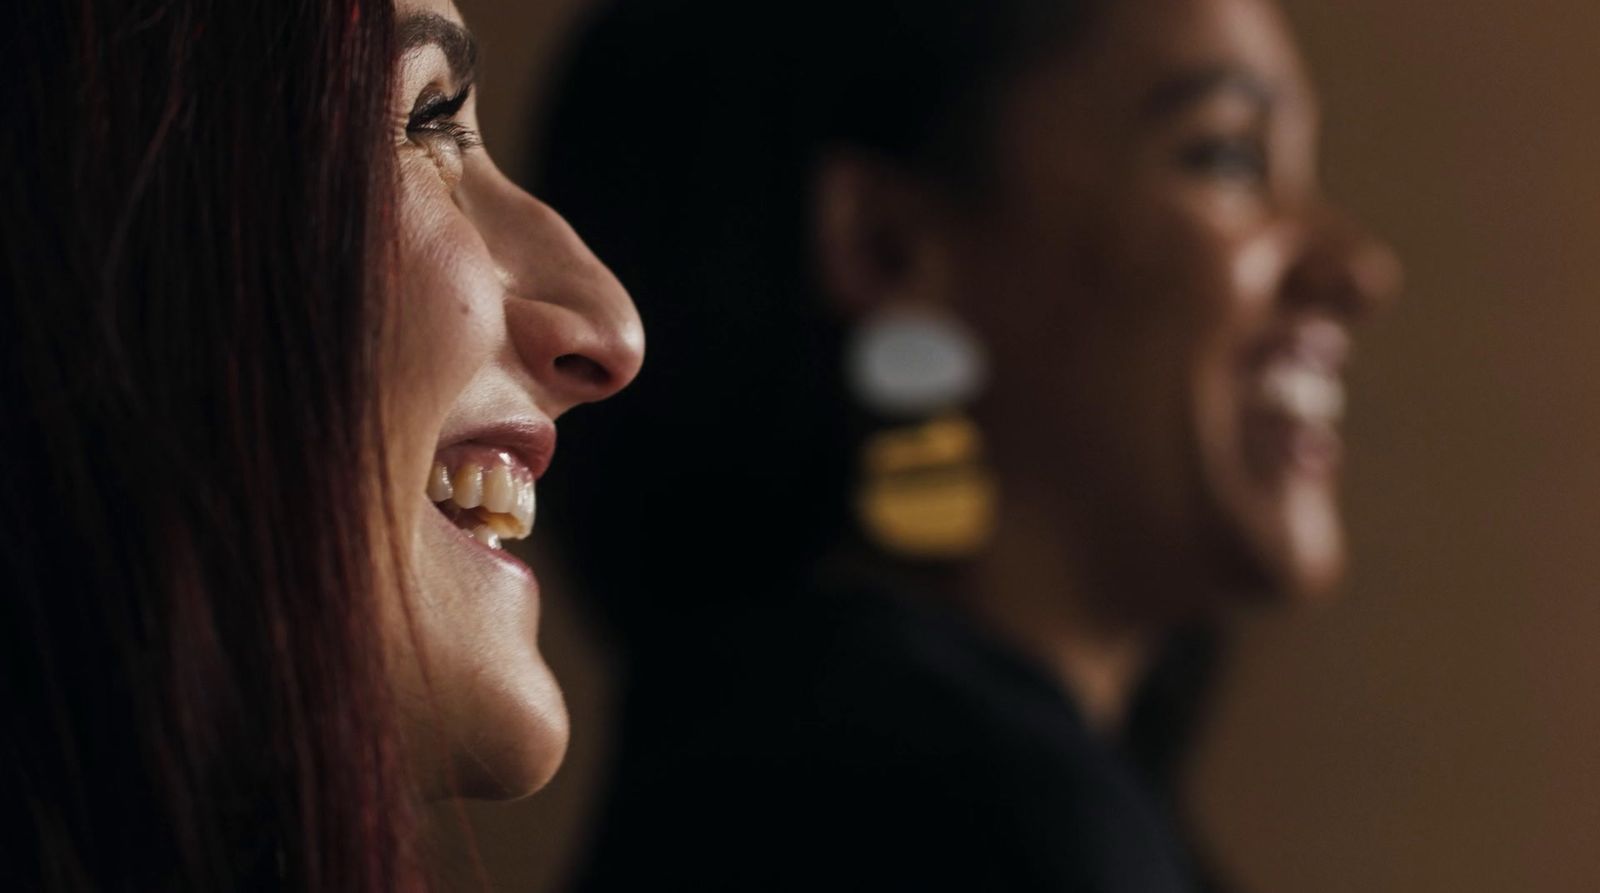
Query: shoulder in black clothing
{"points": [[885, 747]]}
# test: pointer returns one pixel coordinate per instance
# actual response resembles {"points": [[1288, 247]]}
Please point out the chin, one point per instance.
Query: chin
{"points": [[1312, 579], [1302, 552], [518, 753], [1286, 547]]}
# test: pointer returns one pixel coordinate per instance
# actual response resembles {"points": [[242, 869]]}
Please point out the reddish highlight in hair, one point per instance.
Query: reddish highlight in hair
{"points": [[197, 221]]}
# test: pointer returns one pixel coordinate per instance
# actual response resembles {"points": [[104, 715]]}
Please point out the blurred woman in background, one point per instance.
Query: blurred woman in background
{"points": [[283, 352], [998, 358]]}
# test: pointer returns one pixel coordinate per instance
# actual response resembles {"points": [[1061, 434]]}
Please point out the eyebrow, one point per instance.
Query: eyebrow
{"points": [[460, 49], [1185, 90]]}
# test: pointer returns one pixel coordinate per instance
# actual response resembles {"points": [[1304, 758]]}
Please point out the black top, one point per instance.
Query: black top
{"points": [[859, 743]]}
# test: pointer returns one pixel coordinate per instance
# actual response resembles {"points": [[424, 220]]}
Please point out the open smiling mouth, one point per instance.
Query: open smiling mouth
{"points": [[488, 493], [1295, 402]]}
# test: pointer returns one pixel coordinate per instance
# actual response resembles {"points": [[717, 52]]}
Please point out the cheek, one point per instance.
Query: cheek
{"points": [[446, 317], [1207, 267], [1177, 316], [1194, 289], [1239, 306]]}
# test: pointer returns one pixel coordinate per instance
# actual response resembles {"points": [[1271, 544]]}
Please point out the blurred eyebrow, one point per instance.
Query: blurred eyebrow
{"points": [[1184, 90], [460, 50]]}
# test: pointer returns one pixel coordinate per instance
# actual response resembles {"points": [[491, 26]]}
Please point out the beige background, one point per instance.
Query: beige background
{"points": [[1440, 729]]}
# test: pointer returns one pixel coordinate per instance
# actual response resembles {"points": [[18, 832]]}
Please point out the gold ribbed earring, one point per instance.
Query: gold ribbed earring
{"points": [[925, 491]]}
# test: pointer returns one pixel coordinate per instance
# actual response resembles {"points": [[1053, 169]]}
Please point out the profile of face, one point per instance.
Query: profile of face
{"points": [[505, 321], [1168, 301], [1173, 299]]}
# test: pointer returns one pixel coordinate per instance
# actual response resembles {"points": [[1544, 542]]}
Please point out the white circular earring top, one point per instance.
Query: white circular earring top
{"points": [[910, 361]]}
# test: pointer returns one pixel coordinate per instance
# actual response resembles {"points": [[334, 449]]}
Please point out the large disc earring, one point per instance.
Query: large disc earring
{"points": [[925, 491]]}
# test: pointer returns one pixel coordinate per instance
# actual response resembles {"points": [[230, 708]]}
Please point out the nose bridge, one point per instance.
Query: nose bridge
{"points": [[1343, 265], [570, 321]]}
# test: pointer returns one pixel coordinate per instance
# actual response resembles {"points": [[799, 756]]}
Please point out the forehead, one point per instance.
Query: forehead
{"points": [[1141, 43], [1145, 62]]}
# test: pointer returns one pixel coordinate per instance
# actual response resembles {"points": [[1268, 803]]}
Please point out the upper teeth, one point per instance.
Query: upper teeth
{"points": [[1299, 390], [500, 494]]}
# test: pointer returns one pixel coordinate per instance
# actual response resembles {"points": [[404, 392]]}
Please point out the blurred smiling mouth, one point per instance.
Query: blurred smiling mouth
{"points": [[1301, 393], [1295, 401], [488, 493]]}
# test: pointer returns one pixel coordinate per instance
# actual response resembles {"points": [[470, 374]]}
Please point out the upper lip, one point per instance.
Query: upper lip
{"points": [[530, 439]]}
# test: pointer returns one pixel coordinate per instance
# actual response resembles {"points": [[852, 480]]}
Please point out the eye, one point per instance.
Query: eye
{"points": [[433, 126], [1235, 159]]}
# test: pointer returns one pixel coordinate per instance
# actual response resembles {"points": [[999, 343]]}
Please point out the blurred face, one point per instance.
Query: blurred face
{"points": [[1169, 301], [505, 322]]}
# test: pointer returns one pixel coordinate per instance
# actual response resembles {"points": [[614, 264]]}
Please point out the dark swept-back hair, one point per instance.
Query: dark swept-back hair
{"points": [[683, 143], [196, 219]]}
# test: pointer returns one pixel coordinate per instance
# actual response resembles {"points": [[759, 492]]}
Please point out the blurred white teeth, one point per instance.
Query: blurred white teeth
{"points": [[492, 499], [1303, 392]]}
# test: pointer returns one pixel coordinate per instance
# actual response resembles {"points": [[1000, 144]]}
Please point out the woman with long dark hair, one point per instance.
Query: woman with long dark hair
{"points": [[998, 361], [282, 352]]}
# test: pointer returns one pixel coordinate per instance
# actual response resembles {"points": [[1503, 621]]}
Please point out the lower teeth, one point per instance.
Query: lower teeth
{"points": [[488, 537], [474, 524]]}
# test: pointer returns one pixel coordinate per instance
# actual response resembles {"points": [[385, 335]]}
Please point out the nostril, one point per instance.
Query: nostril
{"points": [[582, 369]]}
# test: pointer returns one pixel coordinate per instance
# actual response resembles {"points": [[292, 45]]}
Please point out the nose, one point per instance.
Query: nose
{"points": [[570, 321], [1344, 267]]}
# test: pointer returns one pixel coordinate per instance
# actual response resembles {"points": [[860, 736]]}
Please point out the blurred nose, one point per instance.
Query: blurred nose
{"points": [[1345, 268], [571, 322]]}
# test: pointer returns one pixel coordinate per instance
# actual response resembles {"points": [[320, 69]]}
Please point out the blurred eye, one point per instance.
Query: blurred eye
{"points": [[434, 127], [1242, 159]]}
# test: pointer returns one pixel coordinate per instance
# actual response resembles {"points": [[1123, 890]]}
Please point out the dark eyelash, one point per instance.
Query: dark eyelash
{"points": [[433, 105], [436, 114], [464, 136]]}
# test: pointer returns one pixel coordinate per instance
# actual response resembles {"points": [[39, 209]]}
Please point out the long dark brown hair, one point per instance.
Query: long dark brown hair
{"points": [[196, 215]]}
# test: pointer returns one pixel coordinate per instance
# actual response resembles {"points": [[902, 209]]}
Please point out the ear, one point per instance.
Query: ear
{"points": [[880, 236]]}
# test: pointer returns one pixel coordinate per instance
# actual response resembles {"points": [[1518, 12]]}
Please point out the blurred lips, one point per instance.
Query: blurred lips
{"points": [[1294, 401]]}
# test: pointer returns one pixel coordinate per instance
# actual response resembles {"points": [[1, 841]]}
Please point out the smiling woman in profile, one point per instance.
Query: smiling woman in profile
{"points": [[999, 362], [283, 353]]}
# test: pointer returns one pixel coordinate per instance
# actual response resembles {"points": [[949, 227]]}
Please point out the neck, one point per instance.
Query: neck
{"points": [[1032, 587]]}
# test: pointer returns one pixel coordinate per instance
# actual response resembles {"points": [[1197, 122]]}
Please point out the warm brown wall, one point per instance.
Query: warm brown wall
{"points": [[1440, 729]]}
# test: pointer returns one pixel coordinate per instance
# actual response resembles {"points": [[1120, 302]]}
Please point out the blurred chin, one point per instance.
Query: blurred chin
{"points": [[1311, 560]]}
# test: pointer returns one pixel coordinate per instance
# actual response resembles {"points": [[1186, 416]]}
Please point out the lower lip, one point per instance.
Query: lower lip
{"points": [[467, 541], [1282, 444]]}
